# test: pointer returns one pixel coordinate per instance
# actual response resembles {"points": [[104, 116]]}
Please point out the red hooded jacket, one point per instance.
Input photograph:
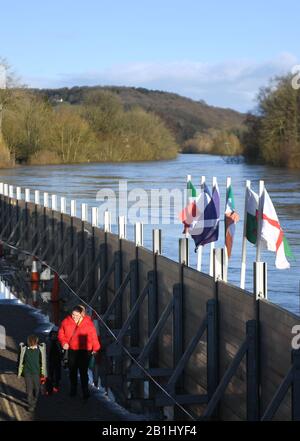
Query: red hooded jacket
{"points": [[83, 336]]}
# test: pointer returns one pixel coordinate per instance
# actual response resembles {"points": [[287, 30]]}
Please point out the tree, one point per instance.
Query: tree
{"points": [[25, 125], [70, 136], [274, 131], [8, 84], [101, 109]]}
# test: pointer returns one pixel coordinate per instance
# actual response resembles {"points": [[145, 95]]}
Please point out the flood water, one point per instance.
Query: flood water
{"points": [[82, 182]]}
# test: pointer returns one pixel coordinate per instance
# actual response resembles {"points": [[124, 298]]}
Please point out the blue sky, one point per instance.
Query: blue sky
{"points": [[218, 51]]}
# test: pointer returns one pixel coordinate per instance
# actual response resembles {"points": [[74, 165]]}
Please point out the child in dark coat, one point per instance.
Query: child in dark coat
{"points": [[54, 362]]}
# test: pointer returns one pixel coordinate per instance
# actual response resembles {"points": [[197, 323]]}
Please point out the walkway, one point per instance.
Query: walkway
{"points": [[19, 321]]}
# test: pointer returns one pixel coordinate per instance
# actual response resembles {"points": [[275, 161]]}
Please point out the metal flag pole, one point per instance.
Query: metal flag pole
{"points": [[212, 244], [259, 220], [244, 243], [200, 247], [188, 179], [228, 184]]}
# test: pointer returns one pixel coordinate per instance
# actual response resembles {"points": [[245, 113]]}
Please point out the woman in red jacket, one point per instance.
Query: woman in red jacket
{"points": [[78, 335]]}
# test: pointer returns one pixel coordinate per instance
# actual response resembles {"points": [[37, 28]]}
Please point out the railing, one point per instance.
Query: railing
{"points": [[172, 336]]}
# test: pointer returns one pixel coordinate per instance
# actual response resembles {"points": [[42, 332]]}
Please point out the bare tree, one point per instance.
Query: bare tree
{"points": [[8, 83]]}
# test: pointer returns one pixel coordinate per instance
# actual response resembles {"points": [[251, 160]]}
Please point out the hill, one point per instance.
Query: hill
{"points": [[183, 116]]}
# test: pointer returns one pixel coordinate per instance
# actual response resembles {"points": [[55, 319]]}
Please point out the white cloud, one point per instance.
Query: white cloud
{"points": [[232, 83]]}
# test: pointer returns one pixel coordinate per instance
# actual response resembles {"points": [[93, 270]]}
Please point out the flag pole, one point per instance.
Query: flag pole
{"points": [[228, 184], [200, 247], [212, 244], [188, 179], [244, 245], [259, 220]]}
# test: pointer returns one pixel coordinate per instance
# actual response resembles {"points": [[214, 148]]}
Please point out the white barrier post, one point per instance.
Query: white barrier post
{"points": [[260, 282], [73, 208], [219, 264], [19, 193], [63, 205], [54, 202], [139, 234], [122, 227], [107, 221], [184, 251], [157, 241], [27, 195], [94, 217], [37, 197], [46, 200], [84, 212], [11, 191]]}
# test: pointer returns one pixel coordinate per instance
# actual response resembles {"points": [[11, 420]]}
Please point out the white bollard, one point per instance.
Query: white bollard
{"points": [[19, 193], [1, 188], [73, 208], [27, 195], [84, 212], [94, 216], [5, 190], [260, 281], [11, 191], [63, 205], [46, 200], [122, 227], [54, 202], [37, 197], [184, 251], [156, 241], [139, 234], [107, 221], [219, 264]]}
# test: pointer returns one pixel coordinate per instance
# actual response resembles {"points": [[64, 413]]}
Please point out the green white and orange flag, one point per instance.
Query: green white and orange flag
{"points": [[191, 191], [231, 218], [251, 215], [189, 212], [272, 235]]}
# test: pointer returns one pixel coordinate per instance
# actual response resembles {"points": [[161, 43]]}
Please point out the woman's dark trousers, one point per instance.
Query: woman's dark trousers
{"points": [[79, 360]]}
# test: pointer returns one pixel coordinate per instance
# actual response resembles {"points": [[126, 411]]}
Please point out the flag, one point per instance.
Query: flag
{"points": [[272, 235], [205, 226], [251, 216], [189, 212], [188, 215], [192, 192], [231, 218]]}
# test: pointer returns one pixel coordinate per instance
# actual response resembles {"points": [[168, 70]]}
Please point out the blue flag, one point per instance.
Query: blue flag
{"points": [[205, 227]]}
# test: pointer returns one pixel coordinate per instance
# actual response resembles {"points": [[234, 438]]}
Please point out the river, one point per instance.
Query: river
{"points": [[83, 181]]}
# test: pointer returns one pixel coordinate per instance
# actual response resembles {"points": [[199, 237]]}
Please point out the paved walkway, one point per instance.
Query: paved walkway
{"points": [[20, 321]]}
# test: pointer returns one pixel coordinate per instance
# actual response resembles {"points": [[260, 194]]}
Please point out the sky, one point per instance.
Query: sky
{"points": [[218, 51]]}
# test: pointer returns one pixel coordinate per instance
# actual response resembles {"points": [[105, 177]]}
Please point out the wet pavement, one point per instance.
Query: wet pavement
{"points": [[19, 321]]}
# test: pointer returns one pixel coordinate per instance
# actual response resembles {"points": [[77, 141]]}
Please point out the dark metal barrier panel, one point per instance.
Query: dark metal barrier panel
{"points": [[236, 307], [198, 289], [145, 265], [167, 276], [275, 346]]}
